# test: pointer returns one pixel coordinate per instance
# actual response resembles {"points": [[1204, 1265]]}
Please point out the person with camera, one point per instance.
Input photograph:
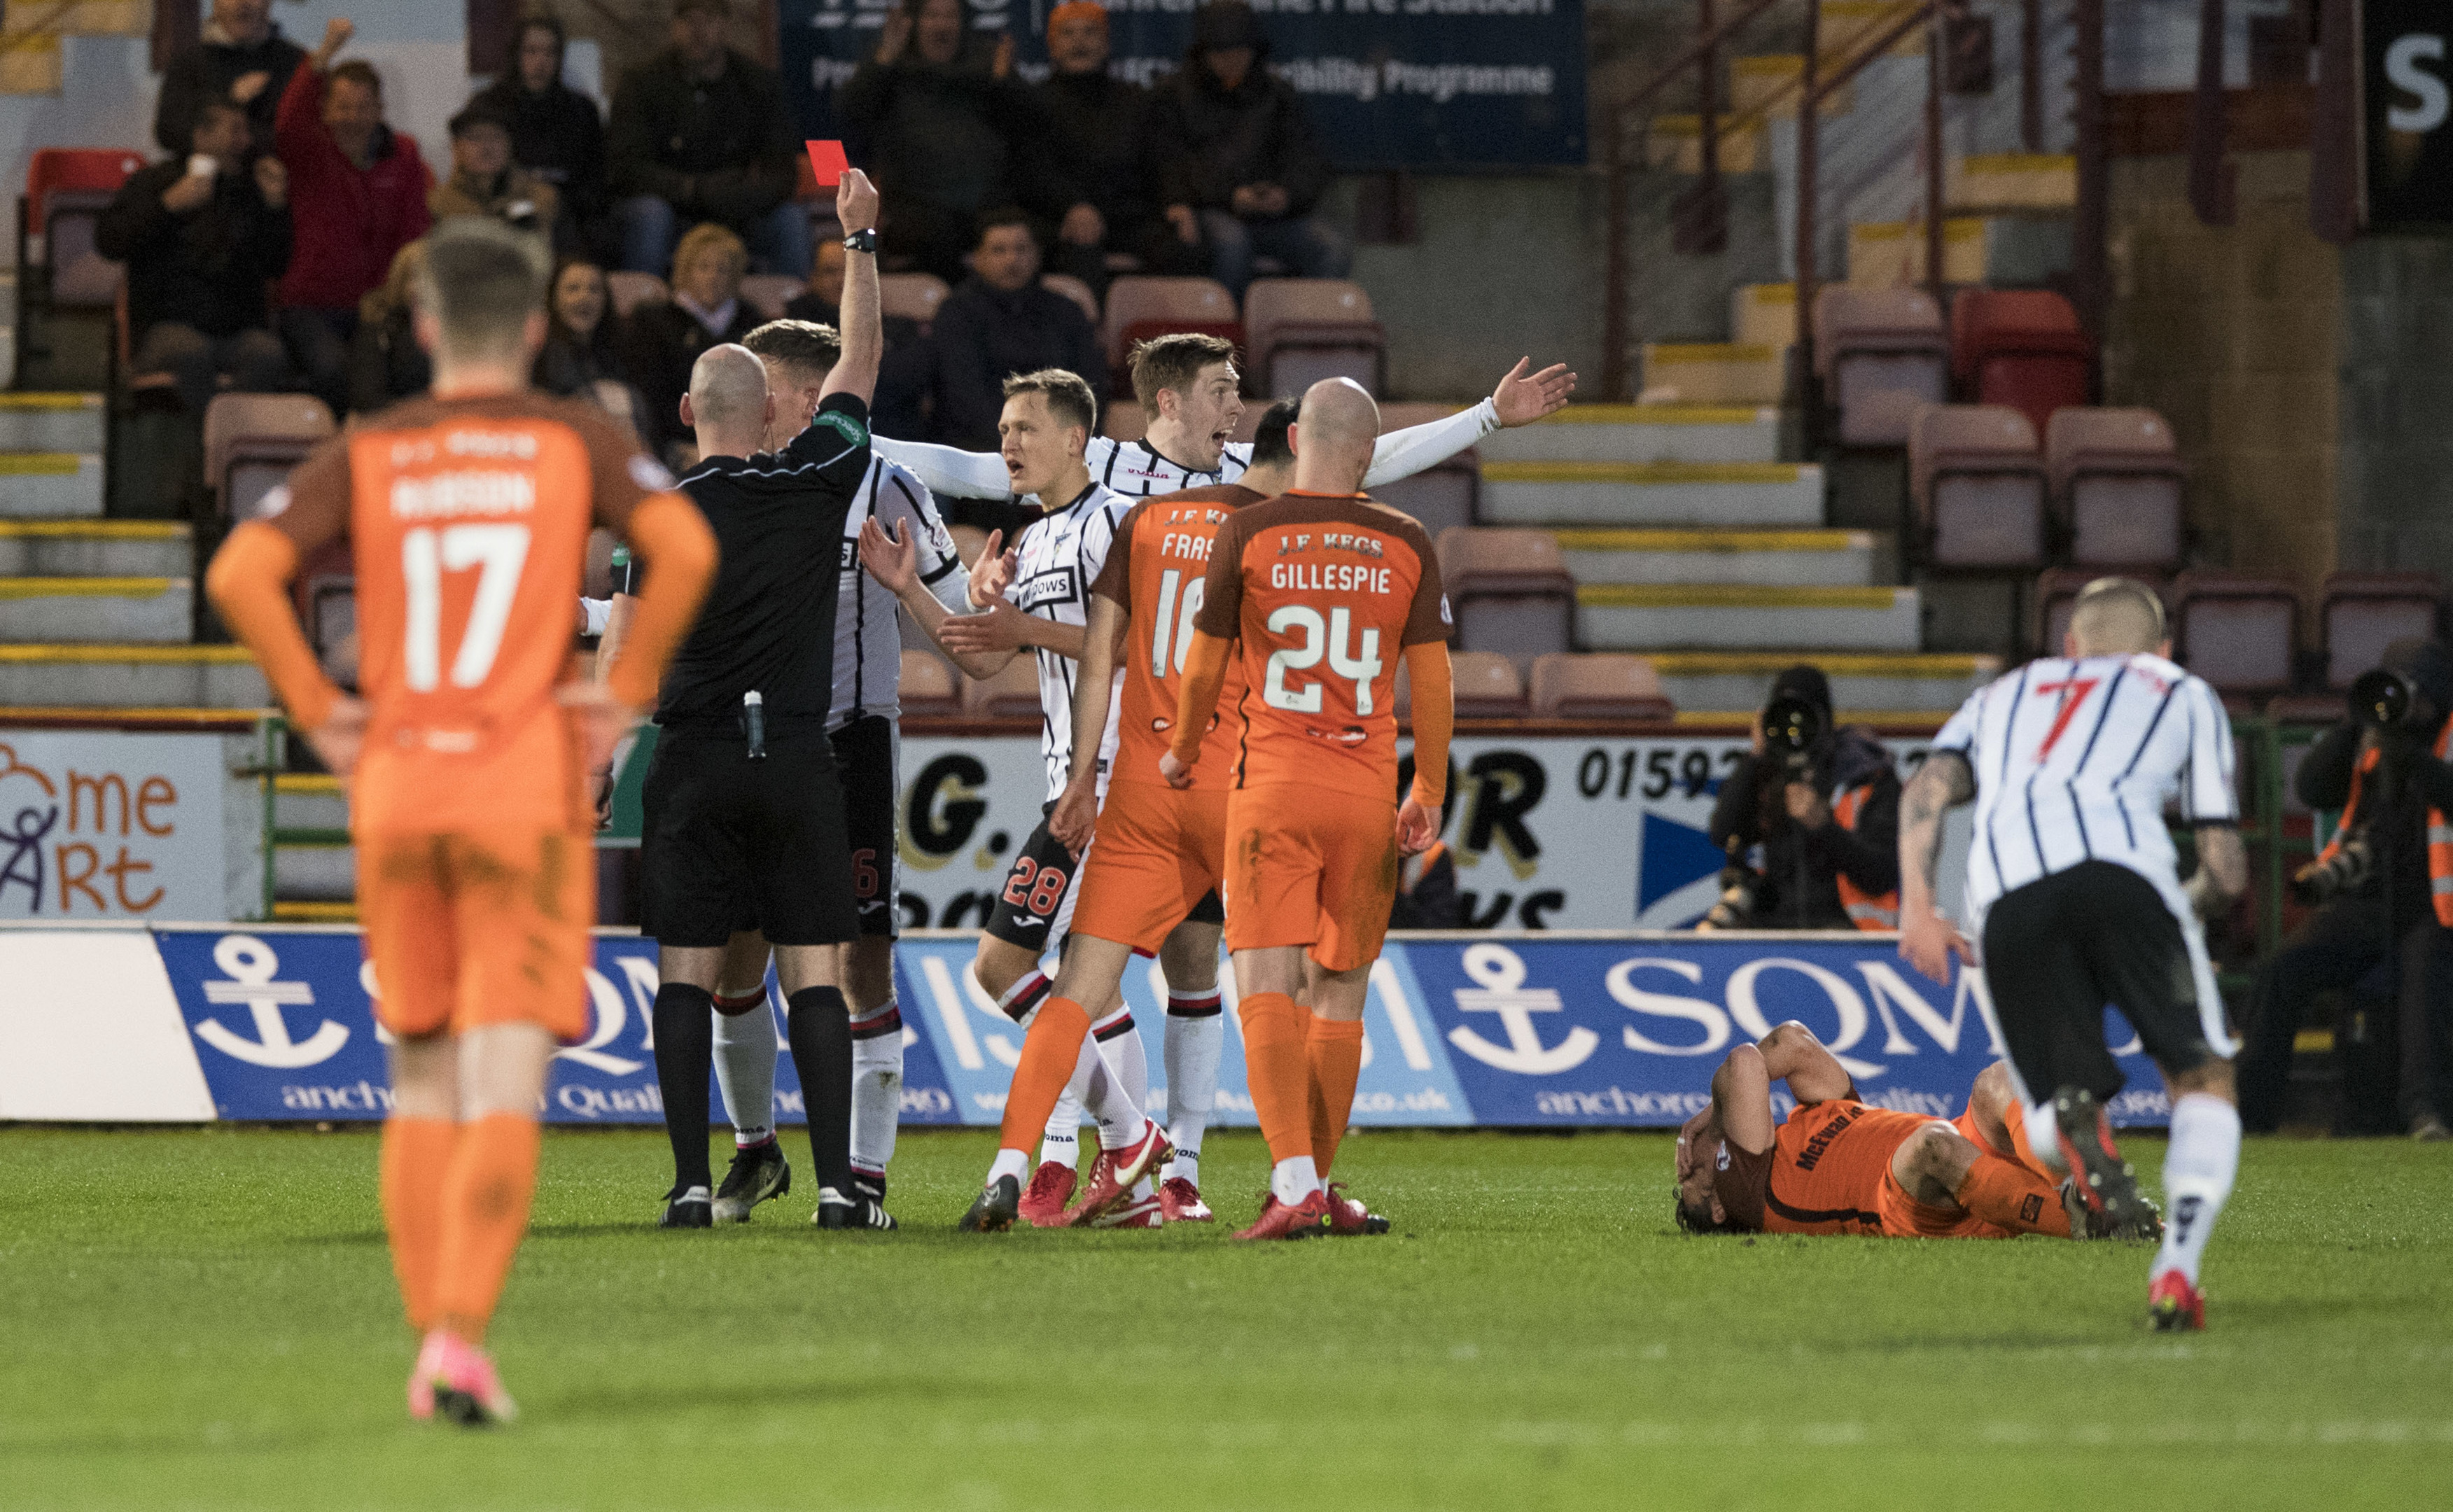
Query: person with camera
{"points": [[2384, 886], [1824, 805]]}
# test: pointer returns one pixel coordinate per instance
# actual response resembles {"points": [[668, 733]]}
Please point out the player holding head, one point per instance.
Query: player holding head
{"points": [[1839, 1165], [1188, 388], [468, 515], [2072, 886], [1324, 591]]}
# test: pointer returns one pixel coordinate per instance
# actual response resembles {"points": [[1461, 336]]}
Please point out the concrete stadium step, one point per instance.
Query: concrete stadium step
{"points": [[1979, 182], [313, 863], [122, 676], [38, 485], [1675, 143], [1641, 433], [2015, 250], [1767, 82], [1626, 617], [1713, 372], [1924, 684], [40, 422], [95, 548], [1761, 558], [97, 608], [1710, 494], [1763, 315]]}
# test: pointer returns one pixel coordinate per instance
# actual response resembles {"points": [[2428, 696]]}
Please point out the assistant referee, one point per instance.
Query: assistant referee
{"points": [[744, 814]]}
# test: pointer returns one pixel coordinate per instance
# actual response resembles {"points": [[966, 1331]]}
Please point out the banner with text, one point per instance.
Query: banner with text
{"points": [[1421, 83], [102, 825]]}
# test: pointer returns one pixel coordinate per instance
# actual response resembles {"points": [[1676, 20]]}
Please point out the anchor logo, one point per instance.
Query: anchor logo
{"points": [[1501, 971], [250, 966]]}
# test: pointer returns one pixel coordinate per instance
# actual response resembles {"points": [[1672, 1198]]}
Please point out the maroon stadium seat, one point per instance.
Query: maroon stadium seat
{"points": [[914, 296], [1487, 686], [1140, 308], [1881, 352], [928, 685], [2116, 484], [1979, 485], [1300, 330], [1511, 590], [1600, 685], [252, 441], [1012, 693], [2238, 631], [2362, 613], [2019, 346]]}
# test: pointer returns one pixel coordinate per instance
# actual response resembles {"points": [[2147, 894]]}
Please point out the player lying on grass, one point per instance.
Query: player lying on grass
{"points": [[1841, 1166]]}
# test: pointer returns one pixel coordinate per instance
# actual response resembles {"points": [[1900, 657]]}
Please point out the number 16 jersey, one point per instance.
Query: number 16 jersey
{"points": [[1155, 572]]}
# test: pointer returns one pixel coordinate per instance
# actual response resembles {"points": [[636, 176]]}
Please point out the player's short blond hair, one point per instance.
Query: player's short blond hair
{"points": [[1174, 362], [1068, 397], [709, 236], [2115, 616], [481, 280]]}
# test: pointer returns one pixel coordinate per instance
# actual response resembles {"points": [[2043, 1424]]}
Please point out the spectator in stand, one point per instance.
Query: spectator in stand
{"points": [[242, 58], [900, 412], [1240, 159], [387, 364], [1096, 161], [358, 196], [583, 344], [483, 181], [939, 115], [1001, 323], [202, 234], [557, 132], [707, 311], [700, 134]]}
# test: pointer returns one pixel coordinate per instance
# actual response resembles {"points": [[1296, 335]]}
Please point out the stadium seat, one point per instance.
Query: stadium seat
{"points": [[2019, 346], [914, 296], [1487, 686], [1013, 693], [1124, 421], [1598, 685], [252, 441], [67, 190], [2362, 613], [2057, 593], [1076, 290], [1978, 487], [1300, 330], [928, 684], [2237, 632], [1511, 590], [2116, 487], [1140, 308], [1881, 352], [1439, 497], [633, 291], [767, 293]]}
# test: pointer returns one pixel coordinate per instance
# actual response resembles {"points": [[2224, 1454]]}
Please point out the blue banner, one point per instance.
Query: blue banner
{"points": [[1418, 83]]}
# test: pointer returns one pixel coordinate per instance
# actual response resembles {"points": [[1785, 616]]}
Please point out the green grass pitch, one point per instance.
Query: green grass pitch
{"points": [[206, 1319]]}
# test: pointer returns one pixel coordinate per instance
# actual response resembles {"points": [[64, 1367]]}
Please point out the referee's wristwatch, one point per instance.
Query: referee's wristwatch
{"points": [[861, 241]]}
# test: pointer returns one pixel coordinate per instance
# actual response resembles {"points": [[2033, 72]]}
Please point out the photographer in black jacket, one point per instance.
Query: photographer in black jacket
{"points": [[2379, 886], [1824, 805]]}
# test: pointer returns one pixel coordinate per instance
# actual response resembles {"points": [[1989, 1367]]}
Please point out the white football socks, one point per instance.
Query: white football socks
{"points": [[1292, 1180], [2044, 1137], [876, 1087], [744, 1073], [1119, 1078], [2198, 1172], [1015, 1163], [1195, 1042]]}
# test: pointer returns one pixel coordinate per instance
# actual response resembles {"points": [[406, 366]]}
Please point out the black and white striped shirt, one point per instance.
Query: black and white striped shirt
{"points": [[2075, 760], [1055, 562], [869, 633]]}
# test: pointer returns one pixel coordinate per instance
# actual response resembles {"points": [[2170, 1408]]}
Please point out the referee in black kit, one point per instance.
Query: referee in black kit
{"points": [[744, 822]]}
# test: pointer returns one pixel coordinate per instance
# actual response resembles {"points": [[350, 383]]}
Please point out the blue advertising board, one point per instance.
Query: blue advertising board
{"points": [[1419, 83]]}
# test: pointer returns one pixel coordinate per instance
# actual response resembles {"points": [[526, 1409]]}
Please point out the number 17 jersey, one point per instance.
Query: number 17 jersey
{"points": [[1155, 571]]}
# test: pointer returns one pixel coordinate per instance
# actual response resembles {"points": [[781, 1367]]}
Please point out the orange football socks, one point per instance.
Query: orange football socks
{"points": [[416, 1154], [1279, 1072], [2007, 1193], [1334, 1049], [485, 1208], [1050, 1052]]}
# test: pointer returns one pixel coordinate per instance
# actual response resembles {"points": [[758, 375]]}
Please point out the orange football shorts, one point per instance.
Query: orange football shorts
{"points": [[1156, 857], [465, 932], [1310, 867]]}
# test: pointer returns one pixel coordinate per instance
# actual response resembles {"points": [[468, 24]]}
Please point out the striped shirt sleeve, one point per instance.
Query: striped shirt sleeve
{"points": [[2209, 793]]}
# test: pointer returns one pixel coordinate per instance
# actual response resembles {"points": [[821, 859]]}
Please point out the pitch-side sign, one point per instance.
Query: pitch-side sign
{"points": [[1423, 84], [1557, 1031], [106, 825]]}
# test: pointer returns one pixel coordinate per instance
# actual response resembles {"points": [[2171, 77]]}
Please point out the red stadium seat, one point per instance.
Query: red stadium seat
{"points": [[2362, 613], [252, 441], [1486, 684], [67, 190], [1509, 589], [1076, 290], [1603, 685], [2238, 631], [1300, 330], [914, 296], [1140, 308], [2116, 484], [1978, 487], [767, 293], [2019, 346], [631, 292], [1881, 352]]}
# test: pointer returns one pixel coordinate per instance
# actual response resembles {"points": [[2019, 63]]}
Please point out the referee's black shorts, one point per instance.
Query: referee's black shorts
{"points": [[727, 838], [2060, 950]]}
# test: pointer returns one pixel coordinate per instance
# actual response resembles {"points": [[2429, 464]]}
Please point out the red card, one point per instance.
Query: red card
{"points": [[828, 162]]}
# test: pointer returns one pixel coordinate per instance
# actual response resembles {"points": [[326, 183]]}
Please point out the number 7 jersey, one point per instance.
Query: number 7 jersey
{"points": [[467, 521]]}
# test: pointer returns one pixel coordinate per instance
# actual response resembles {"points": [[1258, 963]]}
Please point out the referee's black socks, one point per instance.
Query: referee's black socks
{"points": [[818, 1022], [684, 1018]]}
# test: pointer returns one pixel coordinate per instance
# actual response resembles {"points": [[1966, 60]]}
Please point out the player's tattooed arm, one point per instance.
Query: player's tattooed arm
{"points": [[2222, 870], [1926, 939]]}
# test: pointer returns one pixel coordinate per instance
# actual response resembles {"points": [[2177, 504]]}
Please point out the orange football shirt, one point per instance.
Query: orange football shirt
{"points": [[1829, 1162], [467, 521], [1324, 593], [1157, 571]]}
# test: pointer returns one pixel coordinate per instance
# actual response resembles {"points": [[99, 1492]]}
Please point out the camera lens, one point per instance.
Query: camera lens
{"points": [[1791, 725], [2380, 699]]}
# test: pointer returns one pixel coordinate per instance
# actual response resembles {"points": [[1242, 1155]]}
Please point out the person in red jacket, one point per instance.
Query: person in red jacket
{"points": [[357, 194]]}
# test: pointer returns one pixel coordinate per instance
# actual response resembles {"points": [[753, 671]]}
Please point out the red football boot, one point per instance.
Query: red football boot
{"points": [[1348, 1217], [1299, 1220], [1051, 1188], [1181, 1201], [1143, 1213], [1113, 1175], [2175, 1306]]}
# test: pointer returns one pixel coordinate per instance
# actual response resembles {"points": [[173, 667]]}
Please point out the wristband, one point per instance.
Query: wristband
{"points": [[861, 241]]}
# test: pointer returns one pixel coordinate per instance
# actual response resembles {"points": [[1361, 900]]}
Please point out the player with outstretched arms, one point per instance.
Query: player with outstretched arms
{"points": [[467, 763], [2074, 891], [1319, 594]]}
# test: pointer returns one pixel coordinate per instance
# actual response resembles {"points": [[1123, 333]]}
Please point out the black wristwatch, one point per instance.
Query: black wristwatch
{"points": [[861, 241]]}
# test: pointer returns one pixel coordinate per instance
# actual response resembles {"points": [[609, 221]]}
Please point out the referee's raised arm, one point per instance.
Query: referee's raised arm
{"points": [[864, 340]]}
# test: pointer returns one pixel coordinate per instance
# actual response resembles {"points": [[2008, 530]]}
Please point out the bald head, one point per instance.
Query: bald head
{"points": [[727, 402], [2116, 617], [1334, 436]]}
